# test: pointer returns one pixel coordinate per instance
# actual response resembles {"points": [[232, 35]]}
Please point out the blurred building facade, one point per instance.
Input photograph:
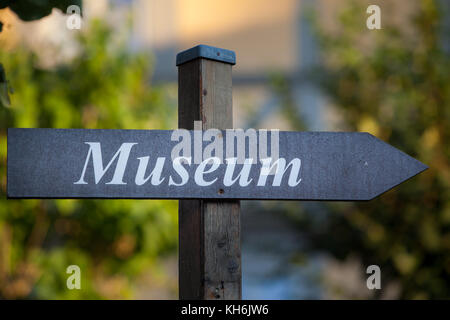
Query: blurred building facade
{"points": [[267, 38]]}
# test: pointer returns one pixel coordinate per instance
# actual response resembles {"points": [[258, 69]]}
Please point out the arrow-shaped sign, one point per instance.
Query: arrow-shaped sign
{"points": [[79, 163]]}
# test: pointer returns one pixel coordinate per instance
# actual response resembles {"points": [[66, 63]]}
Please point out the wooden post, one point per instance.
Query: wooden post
{"points": [[209, 231]]}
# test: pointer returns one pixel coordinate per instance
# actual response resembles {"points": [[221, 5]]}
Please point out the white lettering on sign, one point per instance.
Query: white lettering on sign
{"points": [[155, 175], [95, 150], [242, 176], [204, 173], [281, 168], [182, 172], [201, 171]]}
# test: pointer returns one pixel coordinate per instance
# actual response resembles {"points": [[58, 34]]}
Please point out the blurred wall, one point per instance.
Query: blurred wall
{"points": [[263, 34]]}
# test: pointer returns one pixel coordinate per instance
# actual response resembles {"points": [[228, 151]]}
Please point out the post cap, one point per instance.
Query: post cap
{"points": [[206, 52]]}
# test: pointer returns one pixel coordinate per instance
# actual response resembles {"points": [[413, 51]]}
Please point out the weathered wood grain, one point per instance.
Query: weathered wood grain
{"points": [[209, 231]]}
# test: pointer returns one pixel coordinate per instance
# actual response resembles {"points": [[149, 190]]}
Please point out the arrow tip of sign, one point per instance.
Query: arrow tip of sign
{"points": [[395, 166]]}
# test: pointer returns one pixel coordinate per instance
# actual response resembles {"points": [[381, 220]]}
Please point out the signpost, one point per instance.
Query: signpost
{"points": [[208, 170], [79, 163]]}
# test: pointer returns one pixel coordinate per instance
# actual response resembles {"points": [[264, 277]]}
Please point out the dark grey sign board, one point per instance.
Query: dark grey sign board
{"points": [[137, 164]]}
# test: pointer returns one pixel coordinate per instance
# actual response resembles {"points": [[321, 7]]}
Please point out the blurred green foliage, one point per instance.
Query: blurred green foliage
{"points": [[29, 10], [113, 241], [395, 84]]}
